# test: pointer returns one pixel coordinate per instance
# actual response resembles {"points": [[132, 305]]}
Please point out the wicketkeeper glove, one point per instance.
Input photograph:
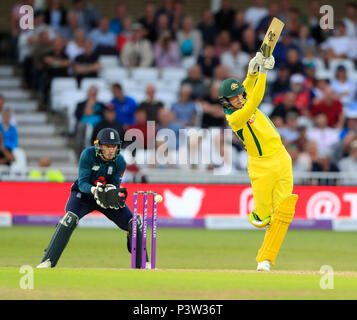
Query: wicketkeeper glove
{"points": [[116, 198], [100, 196]]}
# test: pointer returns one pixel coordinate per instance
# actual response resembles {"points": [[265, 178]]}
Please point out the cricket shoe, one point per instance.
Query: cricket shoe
{"points": [[45, 264], [264, 265], [148, 265]]}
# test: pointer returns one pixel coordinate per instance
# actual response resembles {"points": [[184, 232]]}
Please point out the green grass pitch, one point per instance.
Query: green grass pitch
{"points": [[192, 264]]}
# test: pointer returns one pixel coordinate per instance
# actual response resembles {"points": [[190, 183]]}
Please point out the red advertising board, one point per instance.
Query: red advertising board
{"points": [[184, 200]]}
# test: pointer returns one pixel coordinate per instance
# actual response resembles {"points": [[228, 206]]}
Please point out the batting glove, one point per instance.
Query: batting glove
{"points": [[268, 64], [254, 63]]}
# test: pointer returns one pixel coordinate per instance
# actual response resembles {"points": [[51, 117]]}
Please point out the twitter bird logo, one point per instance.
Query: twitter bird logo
{"points": [[185, 206]]}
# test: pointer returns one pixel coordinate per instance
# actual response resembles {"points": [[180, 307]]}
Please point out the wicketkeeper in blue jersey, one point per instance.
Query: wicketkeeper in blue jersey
{"points": [[97, 188]]}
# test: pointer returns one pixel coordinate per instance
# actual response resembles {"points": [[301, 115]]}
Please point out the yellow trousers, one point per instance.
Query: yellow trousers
{"points": [[272, 184], [272, 181]]}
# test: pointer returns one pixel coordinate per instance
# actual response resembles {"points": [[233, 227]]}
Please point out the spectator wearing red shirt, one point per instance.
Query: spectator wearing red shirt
{"points": [[144, 134], [331, 106], [125, 35], [303, 96]]}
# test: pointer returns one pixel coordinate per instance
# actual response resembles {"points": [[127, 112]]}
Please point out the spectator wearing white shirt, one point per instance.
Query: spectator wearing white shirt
{"points": [[76, 46], [236, 60], [255, 13], [137, 52], [345, 88], [348, 165], [325, 137], [337, 46], [350, 19]]}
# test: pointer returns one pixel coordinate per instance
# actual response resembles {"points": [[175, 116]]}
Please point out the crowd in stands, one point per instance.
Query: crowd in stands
{"points": [[315, 112]]}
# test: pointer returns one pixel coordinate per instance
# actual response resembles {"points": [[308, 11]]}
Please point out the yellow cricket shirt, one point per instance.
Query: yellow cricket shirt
{"points": [[253, 127]]}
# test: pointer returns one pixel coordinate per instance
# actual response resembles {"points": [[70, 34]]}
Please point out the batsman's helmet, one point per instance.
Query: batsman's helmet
{"points": [[230, 88], [107, 136]]}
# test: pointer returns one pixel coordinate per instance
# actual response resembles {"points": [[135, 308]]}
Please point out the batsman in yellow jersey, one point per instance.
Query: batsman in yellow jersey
{"points": [[269, 164]]}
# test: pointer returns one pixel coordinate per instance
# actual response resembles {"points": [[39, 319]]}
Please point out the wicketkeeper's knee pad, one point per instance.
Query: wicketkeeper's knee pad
{"points": [[60, 238]]}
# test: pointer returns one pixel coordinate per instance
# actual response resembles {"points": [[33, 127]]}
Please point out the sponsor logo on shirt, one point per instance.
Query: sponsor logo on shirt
{"points": [[102, 180], [250, 121]]}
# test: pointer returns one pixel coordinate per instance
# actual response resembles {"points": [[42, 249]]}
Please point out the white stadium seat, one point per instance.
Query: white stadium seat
{"points": [[138, 96], [173, 74], [105, 96], [266, 108], [130, 85], [145, 75], [86, 83], [172, 86], [167, 98], [115, 75], [188, 62], [323, 74], [109, 61], [70, 99], [160, 85], [20, 162], [58, 85], [353, 76]]}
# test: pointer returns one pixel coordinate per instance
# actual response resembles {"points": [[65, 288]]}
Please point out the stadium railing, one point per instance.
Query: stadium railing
{"points": [[195, 176]]}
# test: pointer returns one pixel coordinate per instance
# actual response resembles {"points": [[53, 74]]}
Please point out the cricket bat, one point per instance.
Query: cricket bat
{"points": [[271, 37]]}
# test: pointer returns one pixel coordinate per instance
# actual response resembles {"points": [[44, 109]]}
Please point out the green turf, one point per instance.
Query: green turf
{"points": [[95, 265]]}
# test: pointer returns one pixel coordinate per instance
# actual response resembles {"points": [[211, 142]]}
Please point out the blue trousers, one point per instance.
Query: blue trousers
{"points": [[81, 204]]}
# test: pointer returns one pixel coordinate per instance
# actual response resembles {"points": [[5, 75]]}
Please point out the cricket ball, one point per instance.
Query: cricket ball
{"points": [[158, 198]]}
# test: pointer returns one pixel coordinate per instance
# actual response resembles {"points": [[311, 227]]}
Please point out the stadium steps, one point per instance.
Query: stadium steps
{"points": [[7, 70], [39, 132], [62, 155], [45, 131], [15, 93], [32, 142], [13, 82], [31, 118], [22, 106]]}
